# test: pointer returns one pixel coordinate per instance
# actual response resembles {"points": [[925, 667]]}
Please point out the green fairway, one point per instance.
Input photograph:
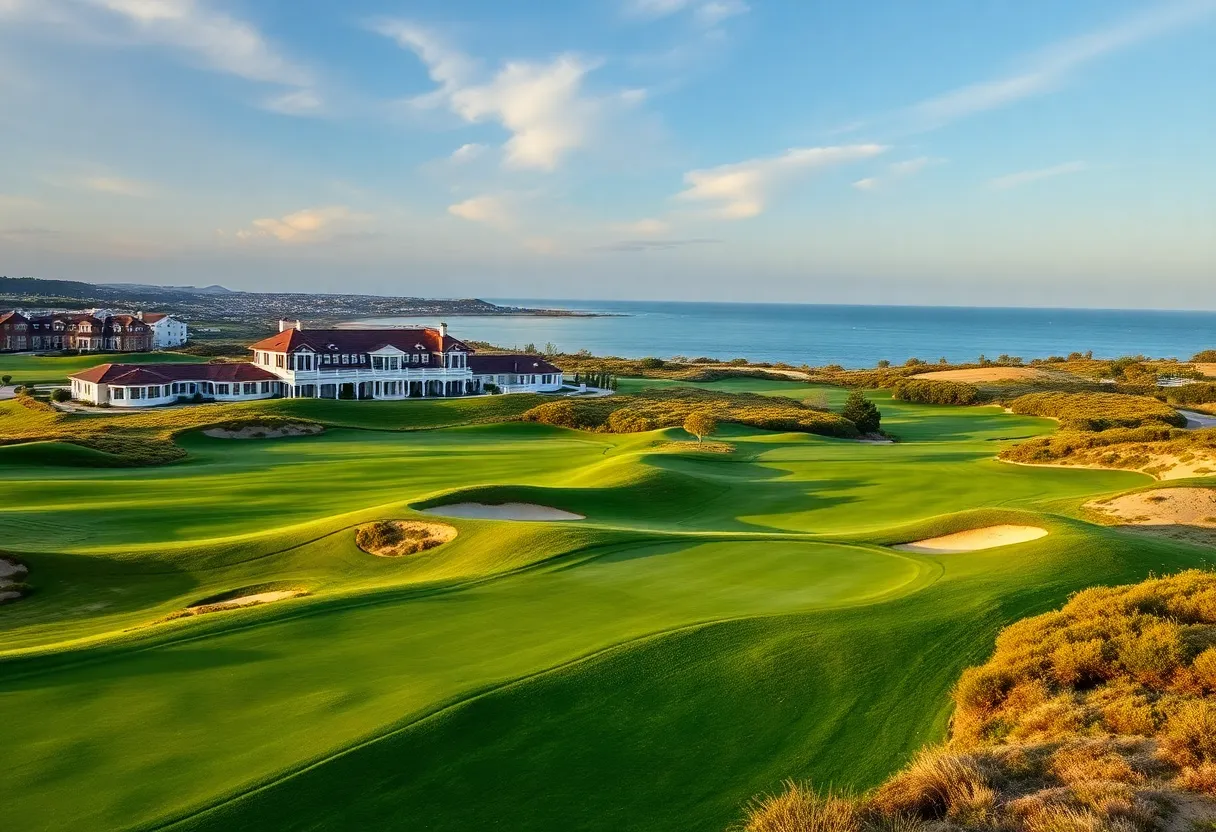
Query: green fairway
{"points": [[718, 621], [26, 368]]}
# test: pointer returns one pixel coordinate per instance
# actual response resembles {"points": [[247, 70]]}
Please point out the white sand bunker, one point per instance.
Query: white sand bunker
{"points": [[1162, 507], [263, 432], [11, 573], [503, 511], [394, 538], [973, 540], [243, 601]]}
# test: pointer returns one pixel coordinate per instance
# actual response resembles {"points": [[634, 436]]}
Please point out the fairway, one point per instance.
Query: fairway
{"points": [[716, 622]]}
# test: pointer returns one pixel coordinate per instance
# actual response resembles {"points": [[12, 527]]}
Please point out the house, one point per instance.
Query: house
{"points": [[14, 331], [167, 331], [145, 385], [333, 364], [93, 331]]}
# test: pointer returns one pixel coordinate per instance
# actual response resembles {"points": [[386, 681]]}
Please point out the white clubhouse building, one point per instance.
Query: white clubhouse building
{"points": [[326, 364]]}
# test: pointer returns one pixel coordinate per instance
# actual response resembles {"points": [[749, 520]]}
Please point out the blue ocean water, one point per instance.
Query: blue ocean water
{"points": [[854, 336]]}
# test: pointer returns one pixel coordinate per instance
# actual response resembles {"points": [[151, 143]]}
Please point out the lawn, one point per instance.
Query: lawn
{"points": [[27, 368], [716, 624]]}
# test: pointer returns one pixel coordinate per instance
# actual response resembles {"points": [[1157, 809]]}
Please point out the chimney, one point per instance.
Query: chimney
{"points": [[140, 314], [299, 325], [283, 324], [443, 330]]}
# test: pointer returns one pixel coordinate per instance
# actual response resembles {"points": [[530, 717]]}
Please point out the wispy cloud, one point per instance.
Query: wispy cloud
{"points": [[623, 246], [192, 29], [467, 152], [118, 186], [741, 190], [870, 183], [897, 170], [645, 227], [708, 13], [542, 105], [307, 226], [487, 208], [1051, 68], [1025, 177]]}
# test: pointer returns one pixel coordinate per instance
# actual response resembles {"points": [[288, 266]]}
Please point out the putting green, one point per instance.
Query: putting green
{"points": [[717, 623]]}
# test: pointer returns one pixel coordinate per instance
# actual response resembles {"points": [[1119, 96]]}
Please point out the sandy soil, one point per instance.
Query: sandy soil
{"points": [[972, 540], [255, 432], [244, 601], [503, 511], [1206, 369], [414, 536], [1162, 507], [987, 374], [1158, 466]]}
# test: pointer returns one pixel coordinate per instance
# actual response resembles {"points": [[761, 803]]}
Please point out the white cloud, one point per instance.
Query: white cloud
{"points": [[1049, 69], [897, 170], [467, 152], [714, 12], [541, 104], [309, 225], [870, 183], [488, 209], [117, 185], [204, 36], [302, 102], [645, 227], [708, 13], [1025, 177], [742, 189]]}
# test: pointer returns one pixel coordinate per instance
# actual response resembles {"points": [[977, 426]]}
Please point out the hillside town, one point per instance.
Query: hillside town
{"points": [[89, 330]]}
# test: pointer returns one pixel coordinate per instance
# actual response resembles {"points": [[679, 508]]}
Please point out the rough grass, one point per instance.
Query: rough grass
{"points": [[1128, 448], [670, 406], [1098, 411], [1097, 716]]}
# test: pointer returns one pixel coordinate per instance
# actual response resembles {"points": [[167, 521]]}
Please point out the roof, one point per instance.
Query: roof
{"points": [[518, 364], [153, 317], [126, 374], [11, 316], [360, 341]]}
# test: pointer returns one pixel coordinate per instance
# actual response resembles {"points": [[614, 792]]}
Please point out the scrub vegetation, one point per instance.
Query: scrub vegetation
{"points": [[1098, 411]]}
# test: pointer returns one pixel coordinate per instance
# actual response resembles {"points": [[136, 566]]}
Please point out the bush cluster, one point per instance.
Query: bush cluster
{"points": [[925, 391], [1092, 718], [670, 407], [1198, 393], [1098, 411]]}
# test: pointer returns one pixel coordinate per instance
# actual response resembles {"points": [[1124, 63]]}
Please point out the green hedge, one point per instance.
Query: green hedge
{"points": [[1098, 411], [923, 391]]}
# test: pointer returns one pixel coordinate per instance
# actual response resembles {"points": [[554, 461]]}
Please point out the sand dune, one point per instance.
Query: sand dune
{"points": [[972, 540], [1162, 507]]}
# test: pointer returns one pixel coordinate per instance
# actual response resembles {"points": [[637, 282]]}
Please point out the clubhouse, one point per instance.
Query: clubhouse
{"points": [[325, 364]]}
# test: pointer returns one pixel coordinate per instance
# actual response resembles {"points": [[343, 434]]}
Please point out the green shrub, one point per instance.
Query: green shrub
{"points": [[1205, 357], [1199, 393], [862, 412], [925, 391], [1098, 411], [60, 395]]}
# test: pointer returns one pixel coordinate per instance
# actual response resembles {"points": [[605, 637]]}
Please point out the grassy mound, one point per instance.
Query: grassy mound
{"points": [[1098, 716], [670, 406], [1098, 411], [1155, 449], [58, 454]]}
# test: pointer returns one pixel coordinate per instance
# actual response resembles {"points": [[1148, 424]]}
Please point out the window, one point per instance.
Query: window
{"points": [[265, 386], [345, 358], [426, 358], [118, 393], [278, 361], [222, 389], [137, 392], [251, 387], [377, 362]]}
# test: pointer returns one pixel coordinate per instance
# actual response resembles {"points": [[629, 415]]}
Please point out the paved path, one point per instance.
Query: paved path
{"points": [[1198, 420], [7, 393]]}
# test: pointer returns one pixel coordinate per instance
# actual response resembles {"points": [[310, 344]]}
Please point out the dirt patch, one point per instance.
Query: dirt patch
{"points": [[1206, 369], [394, 538], [973, 540], [240, 602], [1161, 507], [258, 432], [987, 374], [504, 511], [1158, 466]]}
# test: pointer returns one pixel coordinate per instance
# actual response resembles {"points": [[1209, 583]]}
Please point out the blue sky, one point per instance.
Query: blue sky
{"points": [[944, 151]]}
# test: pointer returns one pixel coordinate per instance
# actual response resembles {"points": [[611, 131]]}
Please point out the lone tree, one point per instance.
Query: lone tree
{"points": [[862, 412], [700, 423], [5, 379]]}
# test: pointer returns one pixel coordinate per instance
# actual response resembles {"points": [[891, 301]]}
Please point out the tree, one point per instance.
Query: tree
{"points": [[700, 423], [862, 412], [530, 348], [550, 349], [884, 364], [5, 379]]}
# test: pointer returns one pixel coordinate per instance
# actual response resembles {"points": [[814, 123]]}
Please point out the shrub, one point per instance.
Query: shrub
{"points": [[60, 395], [935, 785], [5, 380], [926, 391], [1098, 411], [652, 364], [799, 809], [1205, 357], [1198, 393], [862, 412]]}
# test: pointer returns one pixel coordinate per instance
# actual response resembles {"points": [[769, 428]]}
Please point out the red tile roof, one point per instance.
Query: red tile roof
{"points": [[360, 341], [127, 374], [518, 364], [153, 317], [11, 316]]}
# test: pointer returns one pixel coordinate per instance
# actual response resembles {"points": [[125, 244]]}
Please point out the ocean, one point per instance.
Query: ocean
{"points": [[853, 336]]}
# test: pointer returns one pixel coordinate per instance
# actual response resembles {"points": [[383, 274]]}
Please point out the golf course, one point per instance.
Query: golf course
{"points": [[672, 630]]}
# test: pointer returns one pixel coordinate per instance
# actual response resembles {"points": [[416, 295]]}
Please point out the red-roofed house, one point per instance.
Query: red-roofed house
{"points": [[329, 364], [14, 331]]}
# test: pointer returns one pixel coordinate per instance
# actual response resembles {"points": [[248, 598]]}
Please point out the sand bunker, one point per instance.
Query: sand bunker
{"points": [[986, 374], [10, 573], [1206, 369], [504, 511], [243, 601], [394, 538], [1162, 507], [259, 432], [972, 540]]}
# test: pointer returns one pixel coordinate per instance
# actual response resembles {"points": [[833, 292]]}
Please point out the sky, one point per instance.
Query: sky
{"points": [[965, 152]]}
